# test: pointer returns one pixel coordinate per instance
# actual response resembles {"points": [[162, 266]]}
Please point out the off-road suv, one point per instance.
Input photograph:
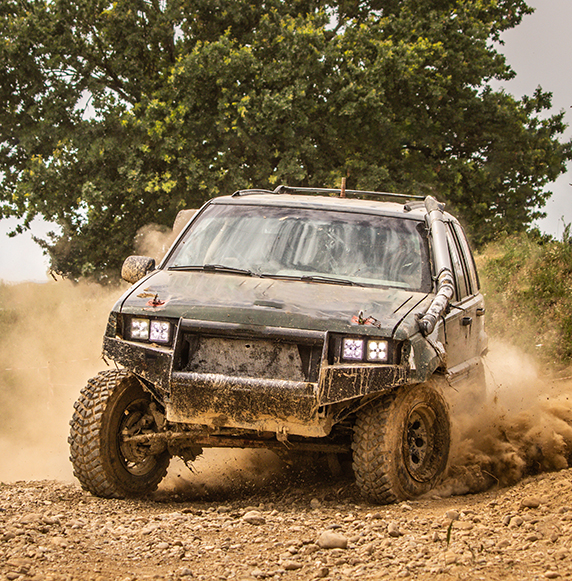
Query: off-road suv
{"points": [[297, 320]]}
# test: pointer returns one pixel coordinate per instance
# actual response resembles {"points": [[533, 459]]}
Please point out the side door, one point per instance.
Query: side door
{"points": [[465, 338]]}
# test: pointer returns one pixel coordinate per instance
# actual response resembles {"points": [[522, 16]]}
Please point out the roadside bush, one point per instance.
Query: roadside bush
{"points": [[527, 281]]}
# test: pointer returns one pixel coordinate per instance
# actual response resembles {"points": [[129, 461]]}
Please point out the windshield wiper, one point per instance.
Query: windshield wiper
{"points": [[311, 278], [328, 279], [215, 268], [246, 272]]}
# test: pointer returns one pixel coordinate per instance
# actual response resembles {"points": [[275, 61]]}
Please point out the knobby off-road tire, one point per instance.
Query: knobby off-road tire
{"points": [[111, 403], [401, 444]]}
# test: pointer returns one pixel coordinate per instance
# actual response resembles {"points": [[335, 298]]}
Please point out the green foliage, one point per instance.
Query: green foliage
{"points": [[120, 114], [528, 286]]}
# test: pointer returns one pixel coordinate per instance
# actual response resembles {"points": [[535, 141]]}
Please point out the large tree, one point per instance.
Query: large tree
{"points": [[118, 114]]}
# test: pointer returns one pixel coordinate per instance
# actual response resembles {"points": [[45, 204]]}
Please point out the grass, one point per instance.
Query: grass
{"points": [[527, 283]]}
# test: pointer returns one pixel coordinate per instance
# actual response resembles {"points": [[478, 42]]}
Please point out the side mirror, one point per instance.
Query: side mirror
{"points": [[136, 267]]}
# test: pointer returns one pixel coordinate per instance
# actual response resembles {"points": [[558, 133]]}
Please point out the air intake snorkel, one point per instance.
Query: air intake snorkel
{"points": [[444, 278]]}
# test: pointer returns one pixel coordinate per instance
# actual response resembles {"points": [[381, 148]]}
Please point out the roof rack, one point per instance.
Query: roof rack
{"points": [[414, 205], [251, 192], [294, 190]]}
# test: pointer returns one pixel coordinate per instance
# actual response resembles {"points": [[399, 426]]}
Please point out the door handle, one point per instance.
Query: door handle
{"points": [[466, 321]]}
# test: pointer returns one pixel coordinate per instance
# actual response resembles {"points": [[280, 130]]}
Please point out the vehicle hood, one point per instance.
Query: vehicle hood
{"points": [[238, 299]]}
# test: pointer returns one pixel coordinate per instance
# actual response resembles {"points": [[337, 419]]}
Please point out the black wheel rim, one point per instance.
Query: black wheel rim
{"points": [[137, 419], [421, 444]]}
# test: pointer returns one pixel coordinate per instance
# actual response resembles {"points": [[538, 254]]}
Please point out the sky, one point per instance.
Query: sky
{"points": [[539, 50]]}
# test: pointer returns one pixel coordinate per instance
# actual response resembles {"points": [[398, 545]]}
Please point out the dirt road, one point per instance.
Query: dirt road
{"points": [[285, 528]]}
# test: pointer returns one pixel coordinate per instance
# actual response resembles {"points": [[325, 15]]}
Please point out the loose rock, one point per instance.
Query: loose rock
{"points": [[393, 529], [530, 502], [332, 540], [452, 514], [254, 517], [291, 565], [315, 503], [55, 532]]}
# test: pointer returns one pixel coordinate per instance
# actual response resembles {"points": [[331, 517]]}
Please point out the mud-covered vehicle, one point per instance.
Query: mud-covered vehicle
{"points": [[296, 320]]}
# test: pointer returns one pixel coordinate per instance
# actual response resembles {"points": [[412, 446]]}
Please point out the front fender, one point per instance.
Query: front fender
{"points": [[425, 357]]}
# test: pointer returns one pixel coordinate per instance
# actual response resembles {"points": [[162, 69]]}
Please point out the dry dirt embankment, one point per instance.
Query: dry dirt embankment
{"points": [[246, 516]]}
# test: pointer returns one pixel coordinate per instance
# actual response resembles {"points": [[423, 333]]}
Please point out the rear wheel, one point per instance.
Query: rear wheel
{"points": [[401, 444], [112, 405]]}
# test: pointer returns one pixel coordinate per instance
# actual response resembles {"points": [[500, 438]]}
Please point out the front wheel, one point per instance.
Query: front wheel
{"points": [[111, 405], [401, 444]]}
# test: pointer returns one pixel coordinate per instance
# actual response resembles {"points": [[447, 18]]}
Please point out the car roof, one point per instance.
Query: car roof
{"points": [[408, 209]]}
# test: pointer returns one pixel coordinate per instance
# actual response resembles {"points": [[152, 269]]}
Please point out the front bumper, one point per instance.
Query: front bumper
{"points": [[264, 379]]}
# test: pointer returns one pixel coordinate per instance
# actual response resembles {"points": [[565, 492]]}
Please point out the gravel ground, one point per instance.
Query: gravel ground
{"points": [[286, 529]]}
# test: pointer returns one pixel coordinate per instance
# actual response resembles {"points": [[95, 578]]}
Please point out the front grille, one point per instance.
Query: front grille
{"points": [[249, 352]]}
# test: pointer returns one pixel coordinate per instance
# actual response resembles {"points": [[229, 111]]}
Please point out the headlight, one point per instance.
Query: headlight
{"points": [[160, 332], [373, 350], [140, 329], [377, 350], [150, 330], [352, 349]]}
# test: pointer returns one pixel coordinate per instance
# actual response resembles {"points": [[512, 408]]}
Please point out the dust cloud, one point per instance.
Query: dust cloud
{"points": [[219, 472], [154, 241], [49, 347], [523, 427], [51, 344]]}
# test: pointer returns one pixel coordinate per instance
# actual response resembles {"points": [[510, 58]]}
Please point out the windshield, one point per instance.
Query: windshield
{"points": [[308, 244]]}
